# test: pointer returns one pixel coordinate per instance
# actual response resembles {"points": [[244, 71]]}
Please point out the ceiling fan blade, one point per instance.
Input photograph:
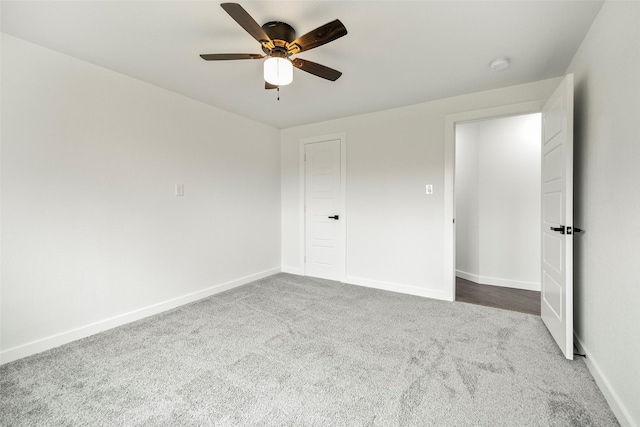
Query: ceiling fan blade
{"points": [[268, 85], [316, 69], [230, 56], [321, 35], [247, 22]]}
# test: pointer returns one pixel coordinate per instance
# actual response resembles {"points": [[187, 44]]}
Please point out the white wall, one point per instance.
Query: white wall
{"points": [[92, 234], [395, 232], [498, 201], [607, 205]]}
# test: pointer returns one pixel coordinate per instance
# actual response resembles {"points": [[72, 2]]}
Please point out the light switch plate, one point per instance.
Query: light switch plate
{"points": [[429, 189], [179, 190]]}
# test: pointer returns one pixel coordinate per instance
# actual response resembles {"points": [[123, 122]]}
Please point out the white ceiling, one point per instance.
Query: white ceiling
{"points": [[396, 53]]}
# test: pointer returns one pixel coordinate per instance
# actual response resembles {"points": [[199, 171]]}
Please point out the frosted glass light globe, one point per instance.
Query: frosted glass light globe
{"points": [[278, 71]]}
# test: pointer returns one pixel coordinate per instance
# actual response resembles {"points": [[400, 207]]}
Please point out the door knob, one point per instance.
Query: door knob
{"points": [[560, 229], [334, 217], [574, 230]]}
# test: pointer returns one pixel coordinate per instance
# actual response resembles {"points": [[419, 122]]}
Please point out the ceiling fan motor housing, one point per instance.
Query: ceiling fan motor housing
{"points": [[281, 34], [280, 31]]}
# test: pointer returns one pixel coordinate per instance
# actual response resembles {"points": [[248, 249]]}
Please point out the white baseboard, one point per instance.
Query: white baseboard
{"points": [[292, 270], [515, 284], [394, 287], [468, 276], [50, 342], [618, 408]]}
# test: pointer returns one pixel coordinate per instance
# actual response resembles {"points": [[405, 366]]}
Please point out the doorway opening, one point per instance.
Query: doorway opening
{"points": [[557, 228], [498, 212]]}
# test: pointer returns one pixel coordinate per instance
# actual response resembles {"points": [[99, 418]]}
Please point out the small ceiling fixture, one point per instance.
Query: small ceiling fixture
{"points": [[500, 64]]}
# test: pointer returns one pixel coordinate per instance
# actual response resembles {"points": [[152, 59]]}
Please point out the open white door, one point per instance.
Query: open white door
{"points": [[557, 216]]}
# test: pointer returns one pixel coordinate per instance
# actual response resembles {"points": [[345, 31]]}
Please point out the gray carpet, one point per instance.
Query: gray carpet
{"points": [[295, 351]]}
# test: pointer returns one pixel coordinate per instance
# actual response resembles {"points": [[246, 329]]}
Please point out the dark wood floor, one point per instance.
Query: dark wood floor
{"points": [[498, 297]]}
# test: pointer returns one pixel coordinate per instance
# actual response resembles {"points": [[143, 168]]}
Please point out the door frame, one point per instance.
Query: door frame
{"points": [[342, 137], [451, 120]]}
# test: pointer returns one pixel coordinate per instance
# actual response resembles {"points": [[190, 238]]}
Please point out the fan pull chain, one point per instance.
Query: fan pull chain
{"points": [[278, 93]]}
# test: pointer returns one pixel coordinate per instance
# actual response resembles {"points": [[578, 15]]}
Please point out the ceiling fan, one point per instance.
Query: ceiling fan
{"points": [[279, 43]]}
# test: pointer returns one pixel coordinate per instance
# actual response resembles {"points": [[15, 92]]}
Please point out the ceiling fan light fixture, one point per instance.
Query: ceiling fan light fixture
{"points": [[278, 71]]}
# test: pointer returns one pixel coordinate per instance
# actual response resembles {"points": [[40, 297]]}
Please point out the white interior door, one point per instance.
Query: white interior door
{"points": [[324, 253], [557, 216]]}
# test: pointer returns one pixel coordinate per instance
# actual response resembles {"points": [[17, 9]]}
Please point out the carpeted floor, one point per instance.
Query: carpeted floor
{"points": [[297, 351]]}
